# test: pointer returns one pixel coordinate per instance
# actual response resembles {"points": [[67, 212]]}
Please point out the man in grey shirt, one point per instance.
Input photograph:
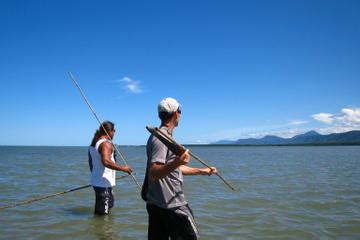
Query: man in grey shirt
{"points": [[169, 212]]}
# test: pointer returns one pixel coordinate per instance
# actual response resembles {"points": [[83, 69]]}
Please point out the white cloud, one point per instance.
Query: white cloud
{"points": [[350, 116], [297, 122], [131, 85], [347, 120], [323, 117]]}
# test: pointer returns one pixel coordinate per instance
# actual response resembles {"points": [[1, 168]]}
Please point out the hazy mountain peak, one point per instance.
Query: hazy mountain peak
{"points": [[311, 133]]}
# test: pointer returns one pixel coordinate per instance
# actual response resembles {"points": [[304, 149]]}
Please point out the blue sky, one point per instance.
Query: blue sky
{"points": [[239, 68]]}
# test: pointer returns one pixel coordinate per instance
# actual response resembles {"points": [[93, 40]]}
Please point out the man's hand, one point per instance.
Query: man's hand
{"points": [[208, 171], [183, 159]]}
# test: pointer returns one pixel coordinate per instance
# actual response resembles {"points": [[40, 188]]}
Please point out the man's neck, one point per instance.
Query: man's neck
{"points": [[168, 125]]}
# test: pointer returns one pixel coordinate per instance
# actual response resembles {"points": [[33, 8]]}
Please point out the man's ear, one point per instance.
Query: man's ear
{"points": [[175, 116]]}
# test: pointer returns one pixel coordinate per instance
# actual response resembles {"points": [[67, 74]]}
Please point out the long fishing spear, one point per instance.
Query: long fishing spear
{"points": [[178, 149], [50, 196], [98, 119]]}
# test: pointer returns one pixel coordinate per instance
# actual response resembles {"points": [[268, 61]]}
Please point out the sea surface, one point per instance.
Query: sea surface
{"points": [[282, 193]]}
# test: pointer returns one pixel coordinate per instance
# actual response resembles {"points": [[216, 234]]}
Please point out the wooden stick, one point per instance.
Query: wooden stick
{"points": [[178, 149], [97, 118], [51, 195]]}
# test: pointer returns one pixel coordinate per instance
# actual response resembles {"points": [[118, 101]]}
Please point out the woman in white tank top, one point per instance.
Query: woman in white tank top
{"points": [[103, 167]]}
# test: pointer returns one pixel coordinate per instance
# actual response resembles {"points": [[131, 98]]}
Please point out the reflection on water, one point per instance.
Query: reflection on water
{"points": [[103, 227], [78, 211], [98, 226]]}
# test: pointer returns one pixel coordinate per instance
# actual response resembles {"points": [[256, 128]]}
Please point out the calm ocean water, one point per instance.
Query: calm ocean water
{"points": [[283, 193]]}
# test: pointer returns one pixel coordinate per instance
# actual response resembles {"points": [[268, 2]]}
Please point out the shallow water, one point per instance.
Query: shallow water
{"points": [[283, 193]]}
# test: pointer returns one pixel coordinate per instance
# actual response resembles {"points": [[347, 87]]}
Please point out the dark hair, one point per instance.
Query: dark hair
{"points": [[109, 126], [165, 116]]}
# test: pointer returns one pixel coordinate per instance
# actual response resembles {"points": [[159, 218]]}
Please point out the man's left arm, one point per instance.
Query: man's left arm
{"points": [[197, 171]]}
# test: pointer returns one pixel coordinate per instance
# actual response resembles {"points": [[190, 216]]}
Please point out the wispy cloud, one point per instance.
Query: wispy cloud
{"points": [[131, 85], [297, 122], [323, 117], [254, 132]]}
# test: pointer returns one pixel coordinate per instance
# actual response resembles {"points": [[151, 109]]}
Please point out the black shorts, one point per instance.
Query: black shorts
{"points": [[104, 200], [175, 223]]}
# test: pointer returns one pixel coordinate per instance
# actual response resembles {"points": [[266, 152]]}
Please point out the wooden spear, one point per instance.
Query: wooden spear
{"points": [[178, 149]]}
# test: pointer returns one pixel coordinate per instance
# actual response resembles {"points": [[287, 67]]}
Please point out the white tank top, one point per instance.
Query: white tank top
{"points": [[101, 176]]}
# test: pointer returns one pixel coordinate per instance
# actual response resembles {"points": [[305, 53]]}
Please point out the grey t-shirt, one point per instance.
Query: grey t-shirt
{"points": [[168, 191]]}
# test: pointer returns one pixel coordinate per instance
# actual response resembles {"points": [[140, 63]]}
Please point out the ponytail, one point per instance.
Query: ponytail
{"points": [[95, 138]]}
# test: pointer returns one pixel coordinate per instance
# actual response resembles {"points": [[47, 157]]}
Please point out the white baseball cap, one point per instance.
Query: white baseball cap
{"points": [[168, 105]]}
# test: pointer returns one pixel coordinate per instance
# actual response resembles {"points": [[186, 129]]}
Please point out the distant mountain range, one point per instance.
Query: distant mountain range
{"points": [[309, 138]]}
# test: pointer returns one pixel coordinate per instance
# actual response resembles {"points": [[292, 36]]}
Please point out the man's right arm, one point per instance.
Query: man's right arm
{"points": [[160, 170], [105, 151]]}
